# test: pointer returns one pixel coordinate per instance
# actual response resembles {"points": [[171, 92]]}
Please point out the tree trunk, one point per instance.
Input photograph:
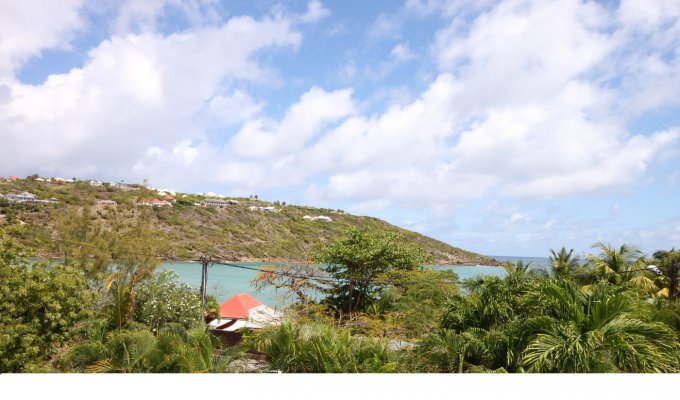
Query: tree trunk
{"points": [[673, 286]]}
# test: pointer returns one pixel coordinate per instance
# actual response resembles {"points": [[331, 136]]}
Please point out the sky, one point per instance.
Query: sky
{"points": [[502, 127]]}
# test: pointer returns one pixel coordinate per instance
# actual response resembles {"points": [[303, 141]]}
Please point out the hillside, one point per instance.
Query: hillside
{"points": [[234, 231]]}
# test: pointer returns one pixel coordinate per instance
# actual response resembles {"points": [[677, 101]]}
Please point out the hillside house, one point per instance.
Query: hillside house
{"points": [[96, 183], [263, 209], [24, 197], [214, 203], [28, 198], [322, 218], [154, 203]]}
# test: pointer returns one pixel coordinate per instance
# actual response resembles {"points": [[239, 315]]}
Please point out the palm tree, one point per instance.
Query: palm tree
{"points": [[668, 263], [563, 264], [624, 265], [602, 330], [610, 263]]}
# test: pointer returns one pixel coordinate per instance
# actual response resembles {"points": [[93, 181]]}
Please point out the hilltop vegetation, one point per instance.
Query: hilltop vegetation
{"points": [[186, 231]]}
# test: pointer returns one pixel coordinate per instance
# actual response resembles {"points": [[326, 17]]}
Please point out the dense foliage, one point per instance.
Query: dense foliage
{"points": [[173, 349], [373, 308], [321, 348], [162, 300], [40, 304]]}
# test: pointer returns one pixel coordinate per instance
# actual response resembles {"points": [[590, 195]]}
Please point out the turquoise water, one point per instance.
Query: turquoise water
{"points": [[226, 281], [536, 262]]}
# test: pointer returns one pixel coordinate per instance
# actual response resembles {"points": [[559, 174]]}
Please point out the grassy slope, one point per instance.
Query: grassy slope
{"points": [[234, 232]]}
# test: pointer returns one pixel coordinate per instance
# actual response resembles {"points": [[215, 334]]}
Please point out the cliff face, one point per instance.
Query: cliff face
{"points": [[240, 229]]}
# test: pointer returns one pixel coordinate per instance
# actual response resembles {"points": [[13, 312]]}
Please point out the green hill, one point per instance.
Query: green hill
{"points": [[234, 231]]}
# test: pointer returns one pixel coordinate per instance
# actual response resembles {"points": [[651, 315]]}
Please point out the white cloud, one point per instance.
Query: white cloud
{"points": [[386, 26], [135, 92], [401, 52], [315, 12], [134, 16], [302, 121], [29, 26]]}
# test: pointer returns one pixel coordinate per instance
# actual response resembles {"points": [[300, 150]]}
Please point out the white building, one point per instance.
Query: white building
{"points": [[263, 209], [214, 203], [318, 218]]}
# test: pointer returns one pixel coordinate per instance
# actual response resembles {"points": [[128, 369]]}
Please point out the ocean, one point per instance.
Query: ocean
{"points": [[225, 281]]}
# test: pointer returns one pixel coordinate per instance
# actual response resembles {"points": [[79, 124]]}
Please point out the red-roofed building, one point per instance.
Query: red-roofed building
{"points": [[13, 178], [169, 199], [238, 306], [242, 312]]}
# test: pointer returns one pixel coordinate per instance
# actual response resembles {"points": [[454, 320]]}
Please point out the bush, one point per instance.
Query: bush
{"points": [[40, 304], [163, 300], [321, 348]]}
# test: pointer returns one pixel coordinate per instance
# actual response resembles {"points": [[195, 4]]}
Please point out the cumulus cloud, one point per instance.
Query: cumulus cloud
{"points": [[401, 52], [315, 12], [134, 92], [28, 27], [527, 100]]}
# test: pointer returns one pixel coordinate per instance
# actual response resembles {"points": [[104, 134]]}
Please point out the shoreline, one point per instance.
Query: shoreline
{"points": [[269, 260]]}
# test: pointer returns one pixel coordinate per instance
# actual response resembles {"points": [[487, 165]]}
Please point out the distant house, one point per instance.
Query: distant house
{"points": [[59, 181], [318, 218], [13, 178], [232, 201], [28, 198], [154, 203], [24, 197], [169, 198], [214, 203], [264, 209], [106, 202], [39, 179], [96, 183]]}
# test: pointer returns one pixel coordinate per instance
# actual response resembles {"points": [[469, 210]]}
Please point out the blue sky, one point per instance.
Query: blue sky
{"points": [[503, 127]]}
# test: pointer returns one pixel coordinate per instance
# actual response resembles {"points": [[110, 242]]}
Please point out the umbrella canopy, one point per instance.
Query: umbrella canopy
{"points": [[243, 311]]}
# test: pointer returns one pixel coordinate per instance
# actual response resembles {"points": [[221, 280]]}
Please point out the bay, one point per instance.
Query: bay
{"points": [[225, 281]]}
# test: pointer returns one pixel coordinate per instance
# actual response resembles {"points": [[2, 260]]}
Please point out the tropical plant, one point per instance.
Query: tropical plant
{"points": [[291, 347], [174, 349], [604, 329], [474, 350], [563, 263], [668, 264]]}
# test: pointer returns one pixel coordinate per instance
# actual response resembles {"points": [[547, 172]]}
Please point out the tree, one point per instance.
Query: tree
{"points": [[40, 304], [563, 264], [623, 265], [357, 259], [612, 262], [135, 253], [668, 263], [300, 280]]}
